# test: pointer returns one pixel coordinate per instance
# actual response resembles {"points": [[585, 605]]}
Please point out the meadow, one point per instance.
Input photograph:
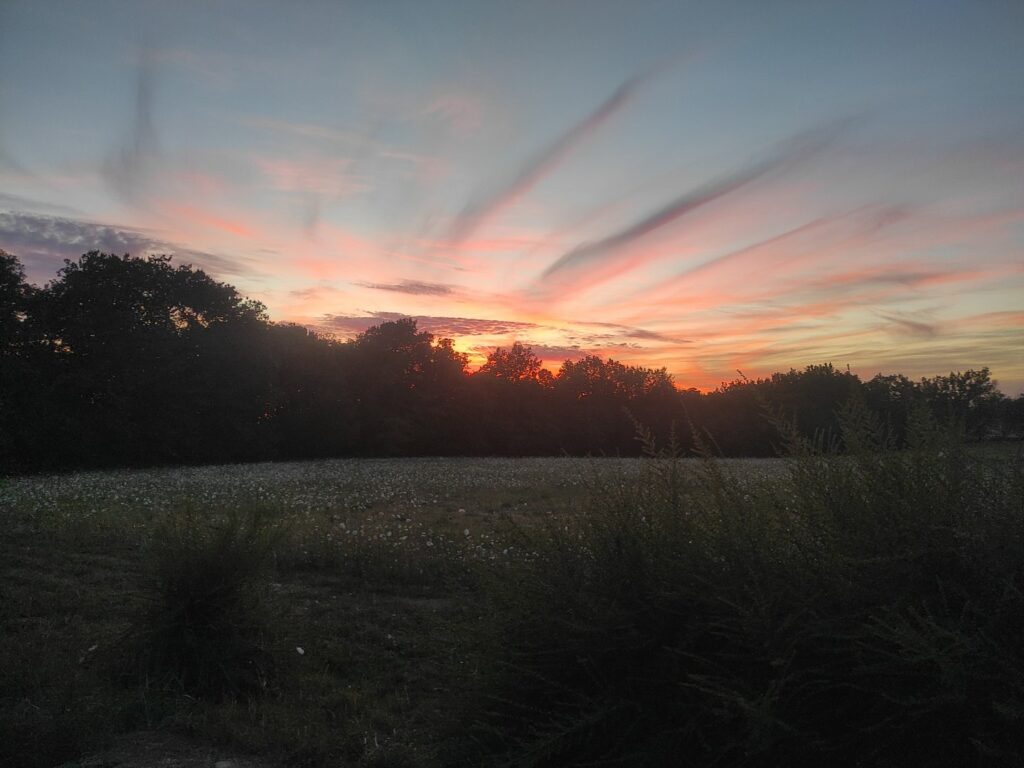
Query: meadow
{"points": [[853, 609], [369, 580]]}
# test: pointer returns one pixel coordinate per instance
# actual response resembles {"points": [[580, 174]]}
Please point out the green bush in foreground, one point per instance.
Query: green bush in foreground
{"points": [[204, 629], [858, 609]]}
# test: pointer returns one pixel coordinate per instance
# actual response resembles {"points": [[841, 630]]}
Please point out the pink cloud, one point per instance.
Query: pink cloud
{"points": [[191, 215], [320, 176]]}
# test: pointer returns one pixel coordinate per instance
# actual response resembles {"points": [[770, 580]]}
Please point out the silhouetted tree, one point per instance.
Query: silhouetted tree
{"points": [[512, 395], [740, 417], [123, 360], [13, 293], [518, 363], [893, 397], [15, 372], [122, 342], [812, 398], [406, 388], [1013, 418], [970, 397], [596, 397], [313, 412], [733, 419]]}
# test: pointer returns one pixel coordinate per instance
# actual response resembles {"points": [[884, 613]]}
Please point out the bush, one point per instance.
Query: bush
{"points": [[204, 628], [855, 609]]}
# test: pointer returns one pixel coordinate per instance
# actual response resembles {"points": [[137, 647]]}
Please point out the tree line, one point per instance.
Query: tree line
{"points": [[126, 361]]}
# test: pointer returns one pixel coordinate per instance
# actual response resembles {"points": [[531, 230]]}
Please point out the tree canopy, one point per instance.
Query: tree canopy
{"points": [[132, 361]]}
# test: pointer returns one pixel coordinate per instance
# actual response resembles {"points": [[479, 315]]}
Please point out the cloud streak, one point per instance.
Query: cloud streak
{"points": [[910, 325], [43, 242], [490, 202], [412, 287], [642, 334], [439, 326], [129, 167], [816, 241], [15, 203], [601, 252]]}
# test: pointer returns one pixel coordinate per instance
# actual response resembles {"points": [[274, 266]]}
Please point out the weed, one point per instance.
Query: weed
{"points": [[864, 608], [204, 627]]}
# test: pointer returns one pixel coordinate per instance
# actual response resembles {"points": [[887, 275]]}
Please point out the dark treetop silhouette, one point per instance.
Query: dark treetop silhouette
{"points": [[133, 361]]}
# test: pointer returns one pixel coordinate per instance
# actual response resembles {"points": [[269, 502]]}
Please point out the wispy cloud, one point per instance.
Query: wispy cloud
{"points": [[629, 332], [412, 287], [592, 255], [489, 202], [797, 242], [908, 324], [874, 285], [439, 326], [324, 163], [15, 203], [322, 176], [208, 220], [43, 242], [554, 354], [304, 130], [835, 260], [129, 168], [997, 320], [351, 145]]}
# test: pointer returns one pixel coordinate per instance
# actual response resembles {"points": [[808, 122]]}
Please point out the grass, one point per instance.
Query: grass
{"points": [[859, 609], [862, 609], [365, 566], [206, 626]]}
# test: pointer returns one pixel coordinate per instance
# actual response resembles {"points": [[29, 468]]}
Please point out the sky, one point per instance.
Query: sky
{"points": [[706, 187]]}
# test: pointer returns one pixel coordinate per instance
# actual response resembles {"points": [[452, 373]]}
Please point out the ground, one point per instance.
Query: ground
{"points": [[368, 585], [152, 749]]}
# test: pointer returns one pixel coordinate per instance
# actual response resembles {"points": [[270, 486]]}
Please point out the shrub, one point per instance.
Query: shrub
{"points": [[855, 609], [204, 627]]}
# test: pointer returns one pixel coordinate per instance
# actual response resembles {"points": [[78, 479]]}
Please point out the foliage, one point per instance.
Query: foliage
{"points": [[203, 629], [409, 389], [124, 361], [863, 610], [517, 364], [13, 294]]}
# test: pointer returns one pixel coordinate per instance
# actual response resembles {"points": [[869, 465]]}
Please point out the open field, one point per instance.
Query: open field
{"points": [[369, 583], [339, 486], [519, 611]]}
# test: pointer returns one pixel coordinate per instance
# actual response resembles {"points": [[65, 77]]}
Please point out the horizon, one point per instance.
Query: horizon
{"points": [[554, 367], [704, 190]]}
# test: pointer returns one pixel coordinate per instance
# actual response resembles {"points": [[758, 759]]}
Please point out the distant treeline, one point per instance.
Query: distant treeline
{"points": [[134, 361]]}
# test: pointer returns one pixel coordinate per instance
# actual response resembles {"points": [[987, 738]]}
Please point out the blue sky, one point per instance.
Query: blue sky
{"points": [[702, 186]]}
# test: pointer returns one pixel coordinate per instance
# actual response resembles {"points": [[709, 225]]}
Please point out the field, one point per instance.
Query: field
{"points": [[369, 583], [518, 611]]}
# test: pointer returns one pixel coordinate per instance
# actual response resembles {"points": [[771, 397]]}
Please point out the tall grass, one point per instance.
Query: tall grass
{"points": [[863, 608], [204, 628]]}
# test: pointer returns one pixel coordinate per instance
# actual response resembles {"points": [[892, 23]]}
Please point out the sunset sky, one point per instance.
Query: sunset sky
{"points": [[702, 186]]}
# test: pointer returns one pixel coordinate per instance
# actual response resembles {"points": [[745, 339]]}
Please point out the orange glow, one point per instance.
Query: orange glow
{"points": [[203, 218]]}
